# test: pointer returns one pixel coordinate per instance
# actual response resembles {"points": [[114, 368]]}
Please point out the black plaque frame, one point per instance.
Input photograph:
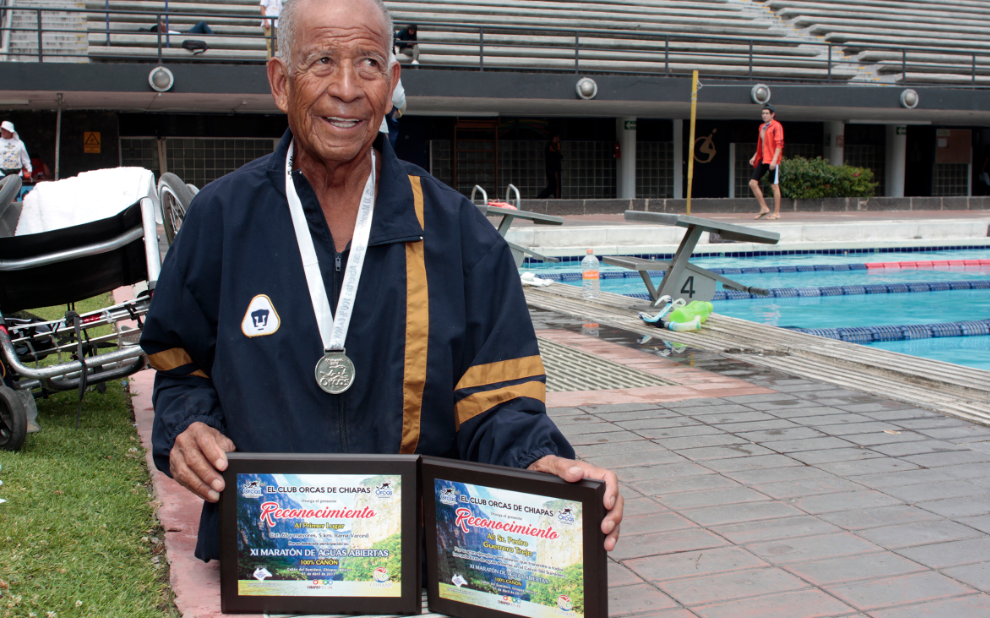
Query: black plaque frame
{"points": [[590, 493], [406, 466]]}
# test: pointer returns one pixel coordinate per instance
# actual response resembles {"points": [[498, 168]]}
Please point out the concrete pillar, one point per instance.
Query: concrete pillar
{"points": [[625, 173], [835, 141], [896, 160], [678, 158]]}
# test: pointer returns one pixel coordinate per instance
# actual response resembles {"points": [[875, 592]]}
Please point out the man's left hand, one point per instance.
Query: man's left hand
{"points": [[573, 471]]}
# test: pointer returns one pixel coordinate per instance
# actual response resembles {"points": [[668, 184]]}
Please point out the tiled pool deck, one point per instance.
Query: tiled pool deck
{"points": [[779, 497]]}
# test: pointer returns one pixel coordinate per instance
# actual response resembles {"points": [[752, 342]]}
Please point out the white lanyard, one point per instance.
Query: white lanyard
{"points": [[332, 332]]}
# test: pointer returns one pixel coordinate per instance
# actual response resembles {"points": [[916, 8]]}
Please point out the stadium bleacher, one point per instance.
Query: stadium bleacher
{"points": [[941, 41], [449, 35], [236, 24]]}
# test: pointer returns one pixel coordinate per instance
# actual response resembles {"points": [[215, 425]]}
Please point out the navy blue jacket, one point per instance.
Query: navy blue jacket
{"points": [[441, 339]]}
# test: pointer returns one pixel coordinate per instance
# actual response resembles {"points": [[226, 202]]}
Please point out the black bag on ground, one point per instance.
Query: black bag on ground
{"points": [[195, 46]]}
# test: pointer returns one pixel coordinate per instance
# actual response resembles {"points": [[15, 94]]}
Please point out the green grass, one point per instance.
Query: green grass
{"points": [[78, 533]]}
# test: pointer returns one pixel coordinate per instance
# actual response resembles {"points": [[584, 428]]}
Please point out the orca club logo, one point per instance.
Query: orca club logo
{"points": [[260, 319], [447, 496], [380, 575], [566, 516], [251, 489], [564, 603], [384, 490]]}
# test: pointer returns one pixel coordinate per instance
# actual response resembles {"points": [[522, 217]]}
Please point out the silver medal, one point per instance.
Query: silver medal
{"points": [[335, 372]]}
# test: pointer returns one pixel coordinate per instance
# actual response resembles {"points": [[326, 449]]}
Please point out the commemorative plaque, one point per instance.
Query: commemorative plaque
{"points": [[336, 534], [501, 542]]}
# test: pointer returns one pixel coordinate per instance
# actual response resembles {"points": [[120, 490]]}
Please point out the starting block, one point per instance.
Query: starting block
{"points": [[682, 279]]}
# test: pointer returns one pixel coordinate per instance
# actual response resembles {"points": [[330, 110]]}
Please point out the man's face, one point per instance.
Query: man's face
{"points": [[6, 134], [767, 116], [339, 85], [412, 31]]}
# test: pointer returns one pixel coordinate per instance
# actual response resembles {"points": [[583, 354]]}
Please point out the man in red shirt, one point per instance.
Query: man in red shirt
{"points": [[767, 159]]}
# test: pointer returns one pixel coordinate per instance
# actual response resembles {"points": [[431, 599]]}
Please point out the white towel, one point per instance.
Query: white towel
{"points": [[531, 279], [88, 197]]}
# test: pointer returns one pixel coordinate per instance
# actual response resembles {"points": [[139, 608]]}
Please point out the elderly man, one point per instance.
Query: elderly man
{"points": [[332, 253]]}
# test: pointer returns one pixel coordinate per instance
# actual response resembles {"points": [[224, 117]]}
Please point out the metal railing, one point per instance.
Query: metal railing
{"points": [[496, 48]]}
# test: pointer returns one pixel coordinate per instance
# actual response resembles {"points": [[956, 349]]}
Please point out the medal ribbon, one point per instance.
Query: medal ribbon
{"points": [[332, 332]]}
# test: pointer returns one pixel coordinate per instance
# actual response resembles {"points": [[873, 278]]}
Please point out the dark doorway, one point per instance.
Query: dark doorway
{"points": [[920, 161]]}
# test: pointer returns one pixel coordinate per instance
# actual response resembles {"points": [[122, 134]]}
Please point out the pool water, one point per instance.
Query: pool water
{"points": [[820, 278], [851, 310]]}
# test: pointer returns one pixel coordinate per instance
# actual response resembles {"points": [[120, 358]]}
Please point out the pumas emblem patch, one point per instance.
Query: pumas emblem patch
{"points": [[260, 319]]}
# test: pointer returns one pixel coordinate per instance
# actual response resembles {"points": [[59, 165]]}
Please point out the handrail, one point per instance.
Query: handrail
{"points": [[8, 18], [484, 196], [753, 52], [508, 195]]}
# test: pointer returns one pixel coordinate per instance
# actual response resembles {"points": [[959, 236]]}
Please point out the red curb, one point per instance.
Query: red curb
{"points": [[196, 584]]}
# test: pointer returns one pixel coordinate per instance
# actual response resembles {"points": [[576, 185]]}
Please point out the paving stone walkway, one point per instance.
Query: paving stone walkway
{"points": [[749, 493], [809, 501]]}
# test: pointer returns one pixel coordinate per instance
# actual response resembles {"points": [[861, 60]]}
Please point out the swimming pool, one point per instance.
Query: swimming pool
{"points": [[847, 310]]}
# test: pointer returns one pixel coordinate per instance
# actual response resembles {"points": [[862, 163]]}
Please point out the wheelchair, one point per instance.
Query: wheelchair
{"points": [[62, 267]]}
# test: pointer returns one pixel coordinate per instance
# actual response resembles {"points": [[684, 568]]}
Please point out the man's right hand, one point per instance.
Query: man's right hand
{"points": [[197, 459]]}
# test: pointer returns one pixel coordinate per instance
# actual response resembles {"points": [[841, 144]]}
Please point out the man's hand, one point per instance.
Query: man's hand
{"points": [[197, 459], [773, 166], [752, 161], [573, 471]]}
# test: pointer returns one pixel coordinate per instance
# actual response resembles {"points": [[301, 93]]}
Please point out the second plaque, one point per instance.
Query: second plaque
{"points": [[501, 541]]}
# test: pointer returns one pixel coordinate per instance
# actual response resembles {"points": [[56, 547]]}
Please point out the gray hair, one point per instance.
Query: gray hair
{"points": [[287, 30]]}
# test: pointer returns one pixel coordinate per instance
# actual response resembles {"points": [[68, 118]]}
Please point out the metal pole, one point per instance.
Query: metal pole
{"points": [[41, 57], [751, 58], [577, 46], [481, 57], [158, 21], [830, 62], [694, 114], [107, 6], [58, 133], [167, 42], [904, 64], [974, 70]]}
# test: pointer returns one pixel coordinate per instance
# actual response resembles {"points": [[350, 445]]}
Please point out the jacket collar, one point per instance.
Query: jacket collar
{"points": [[395, 215]]}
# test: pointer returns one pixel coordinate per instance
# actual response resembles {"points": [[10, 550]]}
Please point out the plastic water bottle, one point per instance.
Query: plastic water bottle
{"points": [[590, 284]]}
